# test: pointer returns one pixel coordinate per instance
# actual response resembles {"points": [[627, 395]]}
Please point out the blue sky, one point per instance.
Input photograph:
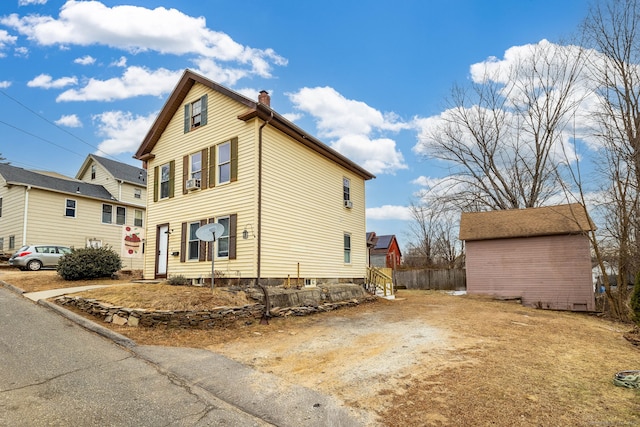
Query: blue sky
{"points": [[81, 76]]}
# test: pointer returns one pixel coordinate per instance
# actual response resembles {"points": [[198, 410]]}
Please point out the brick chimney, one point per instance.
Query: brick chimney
{"points": [[264, 98]]}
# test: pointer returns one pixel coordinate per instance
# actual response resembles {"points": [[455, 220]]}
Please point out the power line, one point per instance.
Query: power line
{"points": [[53, 124]]}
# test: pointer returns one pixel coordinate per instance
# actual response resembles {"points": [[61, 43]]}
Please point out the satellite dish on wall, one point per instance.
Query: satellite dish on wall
{"points": [[210, 232]]}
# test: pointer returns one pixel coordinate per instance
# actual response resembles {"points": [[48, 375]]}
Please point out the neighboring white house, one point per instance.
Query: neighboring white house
{"points": [[103, 206]]}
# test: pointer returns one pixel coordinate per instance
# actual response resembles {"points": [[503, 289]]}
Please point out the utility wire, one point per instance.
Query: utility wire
{"points": [[53, 124]]}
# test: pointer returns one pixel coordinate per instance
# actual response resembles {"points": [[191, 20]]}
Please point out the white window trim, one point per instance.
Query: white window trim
{"points": [[345, 249], [75, 208], [219, 164], [189, 241], [225, 236]]}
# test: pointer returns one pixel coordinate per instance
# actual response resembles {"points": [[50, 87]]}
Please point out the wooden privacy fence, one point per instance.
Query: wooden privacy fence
{"points": [[449, 280]]}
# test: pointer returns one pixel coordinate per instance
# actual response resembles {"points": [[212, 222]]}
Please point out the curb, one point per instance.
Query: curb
{"points": [[88, 324], [81, 321]]}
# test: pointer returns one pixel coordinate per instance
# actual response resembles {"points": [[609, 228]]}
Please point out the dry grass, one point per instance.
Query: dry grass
{"points": [[161, 296], [429, 359]]}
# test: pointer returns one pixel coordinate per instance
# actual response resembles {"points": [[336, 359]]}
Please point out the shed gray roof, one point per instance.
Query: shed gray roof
{"points": [[542, 221], [19, 176]]}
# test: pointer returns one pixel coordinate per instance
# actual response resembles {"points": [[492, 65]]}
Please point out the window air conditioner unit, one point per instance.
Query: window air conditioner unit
{"points": [[348, 204], [193, 184]]}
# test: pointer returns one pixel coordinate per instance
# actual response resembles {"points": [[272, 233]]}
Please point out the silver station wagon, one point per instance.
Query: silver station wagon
{"points": [[35, 257]]}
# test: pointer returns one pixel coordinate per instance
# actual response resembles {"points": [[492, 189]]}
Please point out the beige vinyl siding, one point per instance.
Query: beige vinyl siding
{"points": [[222, 200], [550, 272], [123, 191], [12, 215], [47, 223], [300, 187]]}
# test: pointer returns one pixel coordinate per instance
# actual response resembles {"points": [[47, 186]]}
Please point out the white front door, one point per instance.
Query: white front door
{"points": [[163, 248]]}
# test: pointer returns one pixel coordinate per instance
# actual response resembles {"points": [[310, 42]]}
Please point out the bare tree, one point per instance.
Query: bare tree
{"points": [[501, 135], [611, 29], [434, 236]]}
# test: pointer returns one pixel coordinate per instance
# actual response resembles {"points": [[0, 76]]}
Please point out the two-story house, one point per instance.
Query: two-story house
{"points": [[103, 206], [291, 207]]}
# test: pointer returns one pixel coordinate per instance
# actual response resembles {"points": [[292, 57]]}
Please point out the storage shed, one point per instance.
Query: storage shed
{"points": [[539, 255]]}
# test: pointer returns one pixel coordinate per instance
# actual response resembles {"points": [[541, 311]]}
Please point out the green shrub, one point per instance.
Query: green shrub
{"points": [[178, 280], [635, 301], [89, 263]]}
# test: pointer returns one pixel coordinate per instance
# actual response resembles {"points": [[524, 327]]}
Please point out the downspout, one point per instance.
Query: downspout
{"points": [[267, 303], [26, 214]]}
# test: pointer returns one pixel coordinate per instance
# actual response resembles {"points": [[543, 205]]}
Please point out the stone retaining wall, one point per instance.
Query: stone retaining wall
{"points": [[218, 317]]}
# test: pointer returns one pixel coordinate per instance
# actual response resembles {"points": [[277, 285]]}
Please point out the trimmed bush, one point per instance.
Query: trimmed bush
{"points": [[89, 263], [635, 301]]}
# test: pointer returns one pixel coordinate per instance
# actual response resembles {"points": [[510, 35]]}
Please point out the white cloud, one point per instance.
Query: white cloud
{"points": [[28, 2], [45, 81], [138, 29], [123, 131], [85, 60], [136, 81], [4, 84], [357, 130], [21, 52], [389, 212], [5, 40], [71, 121], [121, 62]]}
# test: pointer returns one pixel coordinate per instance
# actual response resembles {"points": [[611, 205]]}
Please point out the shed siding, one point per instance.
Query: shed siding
{"points": [[551, 272]]}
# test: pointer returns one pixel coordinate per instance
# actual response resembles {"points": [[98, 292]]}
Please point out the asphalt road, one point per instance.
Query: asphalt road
{"points": [[54, 372]]}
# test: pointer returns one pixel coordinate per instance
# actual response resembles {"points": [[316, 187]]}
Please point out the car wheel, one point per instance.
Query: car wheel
{"points": [[34, 265]]}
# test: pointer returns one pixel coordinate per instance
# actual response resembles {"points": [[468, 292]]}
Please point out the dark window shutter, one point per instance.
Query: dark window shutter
{"points": [[187, 118], [234, 159], [172, 177], [183, 243], [233, 233], [185, 173], [210, 244], [203, 111], [155, 183], [205, 169], [212, 166], [202, 250]]}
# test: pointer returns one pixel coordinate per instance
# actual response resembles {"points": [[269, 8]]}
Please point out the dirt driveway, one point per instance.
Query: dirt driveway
{"points": [[429, 358]]}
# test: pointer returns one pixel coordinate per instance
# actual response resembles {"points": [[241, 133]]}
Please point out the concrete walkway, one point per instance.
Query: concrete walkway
{"points": [[52, 293]]}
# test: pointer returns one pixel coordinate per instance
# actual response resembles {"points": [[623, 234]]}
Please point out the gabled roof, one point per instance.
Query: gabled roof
{"points": [[120, 171], [255, 109], [384, 241], [18, 176], [531, 222]]}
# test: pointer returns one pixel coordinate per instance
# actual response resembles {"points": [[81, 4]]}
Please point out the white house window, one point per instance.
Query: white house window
{"points": [[121, 215], [12, 242], [196, 165], [223, 241], [137, 193], [137, 220], [224, 162], [346, 189], [93, 172], [347, 248], [70, 208], [194, 242], [165, 177], [1, 243], [107, 214], [196, 114]]}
